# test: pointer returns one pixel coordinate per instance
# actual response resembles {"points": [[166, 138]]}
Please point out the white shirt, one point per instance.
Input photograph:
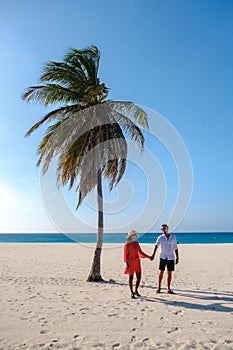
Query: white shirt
{"points": [[167, 245]]}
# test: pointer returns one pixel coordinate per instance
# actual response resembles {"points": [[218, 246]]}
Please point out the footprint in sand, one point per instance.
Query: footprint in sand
{"points": [[32, 297], [204, 330], [84, 309], [173, 330], [98, 345], [178, 312], [40, 345], [133, 338], [70, 314], [112, 315], [145, 340], [133, 330]]}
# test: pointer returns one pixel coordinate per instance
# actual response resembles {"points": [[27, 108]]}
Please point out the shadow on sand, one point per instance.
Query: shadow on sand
{"points": [[216, 300]]}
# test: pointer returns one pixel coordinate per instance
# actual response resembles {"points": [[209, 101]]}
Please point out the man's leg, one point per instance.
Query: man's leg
{"points": [[162, 266], [161, 272], [169, 279], [170, 269]]}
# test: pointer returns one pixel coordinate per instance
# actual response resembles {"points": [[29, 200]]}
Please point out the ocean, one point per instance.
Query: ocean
{"points": [[182, 238]]}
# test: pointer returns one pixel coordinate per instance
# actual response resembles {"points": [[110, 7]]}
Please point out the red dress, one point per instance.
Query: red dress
{"points": [[132, 255]]}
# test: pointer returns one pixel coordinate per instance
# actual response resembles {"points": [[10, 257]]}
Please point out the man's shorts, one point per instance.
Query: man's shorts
{"points": [[169, 263]]}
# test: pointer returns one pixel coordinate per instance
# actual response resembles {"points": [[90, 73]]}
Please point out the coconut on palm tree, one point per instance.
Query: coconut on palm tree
{"points": [[87, 134]]}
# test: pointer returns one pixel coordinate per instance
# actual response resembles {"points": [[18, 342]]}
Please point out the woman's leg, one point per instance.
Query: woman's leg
{"points": [[138, 274], [131, 284]]}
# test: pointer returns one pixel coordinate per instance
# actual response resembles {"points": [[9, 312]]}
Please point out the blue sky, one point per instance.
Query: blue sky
{"points": [[174, 57]]}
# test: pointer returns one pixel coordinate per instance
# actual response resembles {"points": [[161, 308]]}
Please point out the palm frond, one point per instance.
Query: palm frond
{"points": [[103, 146], [130, 128], [58, 113], [64, 74], [130, 110], [87, 60], [63, 134], [50, 94]]}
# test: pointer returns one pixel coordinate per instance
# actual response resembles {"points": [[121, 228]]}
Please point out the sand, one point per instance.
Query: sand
{"points": [[45, 302]]}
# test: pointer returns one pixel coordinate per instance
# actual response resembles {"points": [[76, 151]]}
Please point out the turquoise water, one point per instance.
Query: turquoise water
{"points": [[184, 238]]}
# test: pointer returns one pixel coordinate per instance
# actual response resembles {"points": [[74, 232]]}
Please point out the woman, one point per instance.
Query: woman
{"points": [[132, 255]]}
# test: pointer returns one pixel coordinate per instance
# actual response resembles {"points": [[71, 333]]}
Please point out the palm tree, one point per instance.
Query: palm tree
{"points": [[86, 133]]}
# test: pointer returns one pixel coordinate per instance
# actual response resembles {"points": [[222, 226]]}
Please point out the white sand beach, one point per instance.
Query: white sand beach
{"points": [[45, 302]]}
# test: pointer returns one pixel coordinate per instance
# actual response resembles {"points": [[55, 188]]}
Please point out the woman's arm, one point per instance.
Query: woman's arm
{"points": [[126, 254], [141, 253]]}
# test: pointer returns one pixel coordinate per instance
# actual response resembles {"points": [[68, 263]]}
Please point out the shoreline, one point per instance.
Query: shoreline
{"points": [[116, 245], [150, 238]]}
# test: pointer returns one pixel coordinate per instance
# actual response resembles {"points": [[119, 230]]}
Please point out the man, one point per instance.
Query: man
{"points": [[168, 245]]}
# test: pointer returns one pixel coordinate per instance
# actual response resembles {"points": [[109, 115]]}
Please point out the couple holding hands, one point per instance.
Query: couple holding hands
{"points": [[168, 257]]}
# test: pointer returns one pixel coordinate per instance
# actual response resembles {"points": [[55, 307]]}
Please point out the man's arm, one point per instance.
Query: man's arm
{"points": [[154, 252], [176, 250], [177, 255]]}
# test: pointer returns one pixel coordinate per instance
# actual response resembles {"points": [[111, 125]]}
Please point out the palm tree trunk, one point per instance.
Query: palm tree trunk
{"points": [[95, 274]]}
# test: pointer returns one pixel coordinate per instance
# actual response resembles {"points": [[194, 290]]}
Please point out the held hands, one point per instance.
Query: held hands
{"points": [[153, 255]]}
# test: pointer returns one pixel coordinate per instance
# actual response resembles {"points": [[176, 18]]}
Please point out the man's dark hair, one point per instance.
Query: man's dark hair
{"points": [[164, 225]]}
